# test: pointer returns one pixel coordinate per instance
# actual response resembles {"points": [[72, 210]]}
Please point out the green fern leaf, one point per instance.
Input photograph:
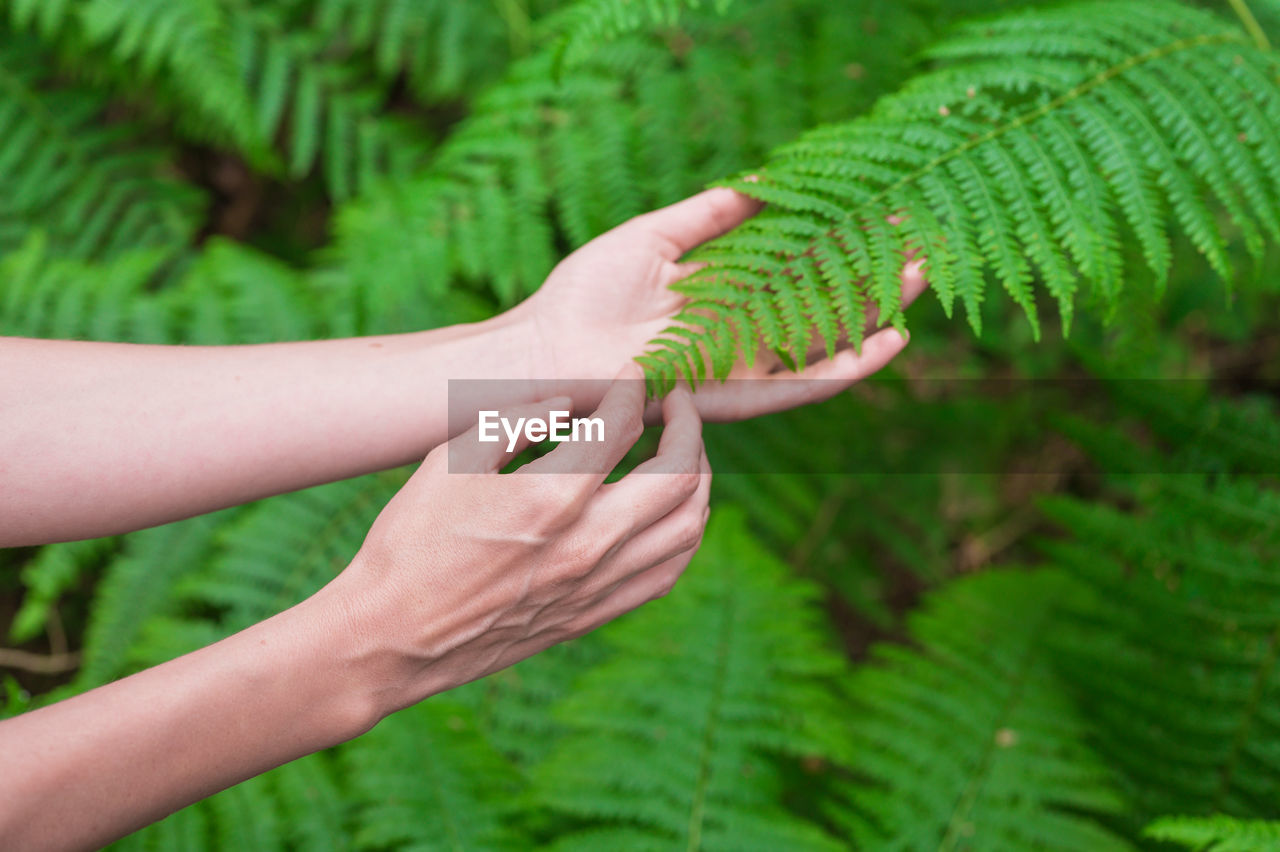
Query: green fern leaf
{"points": [[1012, 156], [1173, 652], [1217, 834], [540, 163], [588, 24], [970, 742], [182, 48], [426, 779], [139, 584], [42, 296], [745, 674], [95, 188], [442, 48], [284, 549], [232, 294], [326, 110]]}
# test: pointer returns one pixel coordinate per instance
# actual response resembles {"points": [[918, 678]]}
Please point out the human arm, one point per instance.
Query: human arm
{"points": [[102, 438], [461, 575]]}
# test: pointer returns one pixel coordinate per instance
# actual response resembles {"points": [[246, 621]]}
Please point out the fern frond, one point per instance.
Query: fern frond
{"points": [[42, 296], [1217, 834], [1175, 653], [969, 741], [181, 48], [481, 210], [139, 584], [231, 294], [539, 163], [442, 48], [805, 486], [323, 110], [745, 674], [312, 795], [426, 778], [512, 707], [284, 549], [589, 24], [96, 187], [995, 157]]}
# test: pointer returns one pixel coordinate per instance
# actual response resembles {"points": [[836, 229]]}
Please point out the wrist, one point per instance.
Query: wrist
{"points": [[328, 671], [523, 332]]}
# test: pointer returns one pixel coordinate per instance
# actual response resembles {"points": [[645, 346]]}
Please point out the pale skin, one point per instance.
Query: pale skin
{"points": [[462, 574]]}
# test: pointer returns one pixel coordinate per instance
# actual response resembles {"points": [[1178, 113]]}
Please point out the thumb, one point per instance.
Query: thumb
{"points": [[687, 224]]}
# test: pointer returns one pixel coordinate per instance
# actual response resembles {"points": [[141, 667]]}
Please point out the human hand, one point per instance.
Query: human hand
{"points": [[466, 573], [600, 307]]}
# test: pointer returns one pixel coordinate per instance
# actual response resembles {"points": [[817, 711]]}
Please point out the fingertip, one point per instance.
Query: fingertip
{"points": [[899, 336], [914, 281], [679, 403], [879, 349], [630, 371], [558, 402], [747, 203]]}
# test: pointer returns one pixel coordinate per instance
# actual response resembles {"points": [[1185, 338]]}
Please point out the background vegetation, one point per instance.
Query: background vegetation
{"points": [[999, 629]]}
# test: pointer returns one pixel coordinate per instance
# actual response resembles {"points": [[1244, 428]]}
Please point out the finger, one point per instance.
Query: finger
{"points": [[643, 587], [914, 280], [675, 532], [687, 224], [665, 481], [622, 414], [681, 441], [619, 598], [473, 452], [823, 379]]}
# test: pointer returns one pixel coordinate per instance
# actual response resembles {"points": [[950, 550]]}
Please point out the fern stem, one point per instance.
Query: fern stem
{"points": [[1251, 26], [1252, 709], [697, 813], [953, 836], [519, 25]]}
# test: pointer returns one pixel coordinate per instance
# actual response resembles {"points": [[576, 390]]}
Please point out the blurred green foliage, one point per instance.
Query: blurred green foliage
{"points": [[987, 626]]}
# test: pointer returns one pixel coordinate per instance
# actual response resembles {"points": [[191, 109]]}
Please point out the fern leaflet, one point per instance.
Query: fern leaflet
{"points": [[990, 164], [1217, 834]]}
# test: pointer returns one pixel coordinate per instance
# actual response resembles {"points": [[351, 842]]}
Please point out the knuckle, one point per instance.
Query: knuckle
{"points": [[553, 508], [685, 478], [667, 584], [578, 555], [631, 426], [690, 531]]}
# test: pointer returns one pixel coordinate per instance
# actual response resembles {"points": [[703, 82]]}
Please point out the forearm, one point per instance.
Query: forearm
{"points": [[85, 771], [102, 438]]}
